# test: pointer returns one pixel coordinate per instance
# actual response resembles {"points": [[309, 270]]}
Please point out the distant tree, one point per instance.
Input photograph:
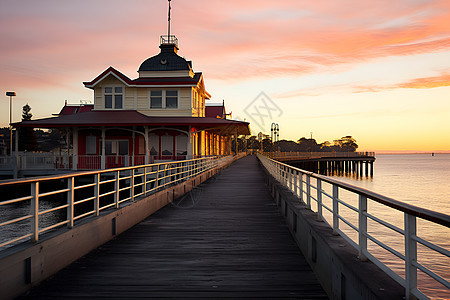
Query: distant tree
{"points": [[286, 146], [325, 147], [27, 138], [267, 145], [240, 143], [308, 145], [346, 144], [253, 143]]}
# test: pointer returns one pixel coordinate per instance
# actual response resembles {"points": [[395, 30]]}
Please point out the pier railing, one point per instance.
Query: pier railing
{"points": [[326, 194], [313, 155], [32, 206]]}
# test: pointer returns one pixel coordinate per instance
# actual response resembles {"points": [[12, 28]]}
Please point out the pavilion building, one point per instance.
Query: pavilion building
{"points": [[159, 116]]}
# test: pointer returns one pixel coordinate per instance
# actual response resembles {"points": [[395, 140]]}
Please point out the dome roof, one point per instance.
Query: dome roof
{"points": [[167, 60]]}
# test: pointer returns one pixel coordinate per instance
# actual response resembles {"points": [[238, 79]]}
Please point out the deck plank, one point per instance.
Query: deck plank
{"points": [[226, 241]]}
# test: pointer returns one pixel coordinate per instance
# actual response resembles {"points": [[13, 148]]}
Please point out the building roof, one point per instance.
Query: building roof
{"points": [[215, 111], [76, 109], [146, 81], [166, 60], [97, 118]]}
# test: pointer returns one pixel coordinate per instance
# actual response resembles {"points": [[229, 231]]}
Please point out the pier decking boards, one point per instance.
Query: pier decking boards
{"points": [[224, 240]]}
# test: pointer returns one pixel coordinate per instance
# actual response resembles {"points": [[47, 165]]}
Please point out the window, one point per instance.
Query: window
{"points": [[115, 147], [91, 145], [164, 99], [156, 99], [113, 97], [194, 99], [171, 99]]}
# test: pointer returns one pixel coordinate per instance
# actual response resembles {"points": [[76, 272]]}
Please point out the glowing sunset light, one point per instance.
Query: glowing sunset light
{"points": [[376, 70]]}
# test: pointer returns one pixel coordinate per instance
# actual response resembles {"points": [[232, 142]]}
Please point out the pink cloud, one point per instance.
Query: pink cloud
{"points": [[233, 41]]}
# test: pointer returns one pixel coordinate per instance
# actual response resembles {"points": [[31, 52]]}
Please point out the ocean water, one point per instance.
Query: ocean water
{"points": [[417, 179]]}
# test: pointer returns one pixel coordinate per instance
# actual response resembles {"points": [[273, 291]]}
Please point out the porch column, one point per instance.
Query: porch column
{"points": [[236, 141], [75, 148], [147, 146], [103, 160], [68, 141], [190, 145]]}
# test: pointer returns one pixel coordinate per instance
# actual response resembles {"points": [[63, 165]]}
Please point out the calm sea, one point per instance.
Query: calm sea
{"points": [[421, 180]]}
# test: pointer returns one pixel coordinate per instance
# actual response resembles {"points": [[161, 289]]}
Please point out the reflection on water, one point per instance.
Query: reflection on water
{"points": [[23, 209], [420, 180]]}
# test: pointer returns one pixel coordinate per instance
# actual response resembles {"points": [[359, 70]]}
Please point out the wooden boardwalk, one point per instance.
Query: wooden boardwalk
{"points": [[226, 239]]}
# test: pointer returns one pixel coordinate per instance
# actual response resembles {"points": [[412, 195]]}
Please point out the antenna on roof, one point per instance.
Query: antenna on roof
{"points": [[168, 31]]}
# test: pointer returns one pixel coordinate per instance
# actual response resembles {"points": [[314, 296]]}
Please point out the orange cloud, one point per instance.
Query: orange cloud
{"points": [[427, 82], [417, 83]]}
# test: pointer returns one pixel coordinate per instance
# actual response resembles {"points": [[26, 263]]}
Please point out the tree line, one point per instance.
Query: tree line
{"points": [[343, 144]]}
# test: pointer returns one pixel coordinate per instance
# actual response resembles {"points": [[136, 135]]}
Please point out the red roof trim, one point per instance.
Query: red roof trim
{"points": [[138, 81], [104, 74]]}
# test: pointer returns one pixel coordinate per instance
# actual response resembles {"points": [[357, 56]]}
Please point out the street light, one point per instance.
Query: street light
{"points": [[10, 95]]}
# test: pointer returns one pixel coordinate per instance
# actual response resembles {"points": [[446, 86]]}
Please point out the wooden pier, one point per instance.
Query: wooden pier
{"points": [[225, 239], [330, 163]]}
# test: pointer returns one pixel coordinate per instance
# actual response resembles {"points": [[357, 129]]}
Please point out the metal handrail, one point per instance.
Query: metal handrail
{"points": [[104, 188], [293, 178], [306, 155]]}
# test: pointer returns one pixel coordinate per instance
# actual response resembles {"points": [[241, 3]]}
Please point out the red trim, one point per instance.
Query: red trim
{"points": [[138, 81], [104, 73]]}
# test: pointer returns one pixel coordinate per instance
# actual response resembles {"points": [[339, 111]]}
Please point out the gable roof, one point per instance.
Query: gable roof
{"points": [[146, 82]]}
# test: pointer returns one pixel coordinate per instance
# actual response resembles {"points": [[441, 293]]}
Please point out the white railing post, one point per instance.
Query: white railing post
{"points": [[301, 187], [362, 227], [70, 200], [132, 184], [97, 194], [295, 175], [319, 199], [35, 211], [286, 176], [335, 209], [117, 186], [308, 191], [145, 181], [157, 176], [411, 256]]}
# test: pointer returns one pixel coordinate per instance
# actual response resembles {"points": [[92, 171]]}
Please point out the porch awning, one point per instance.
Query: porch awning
{"points": [[133, 118]]}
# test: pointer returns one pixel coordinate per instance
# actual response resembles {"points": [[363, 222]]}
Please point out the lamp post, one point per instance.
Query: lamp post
{"points": [[275, 133], [10, 95]]}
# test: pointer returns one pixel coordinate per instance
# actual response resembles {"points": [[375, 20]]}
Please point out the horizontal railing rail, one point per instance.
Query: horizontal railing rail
{"points": [[54, 161], [310, 188], [314, 155], [48, 202]]}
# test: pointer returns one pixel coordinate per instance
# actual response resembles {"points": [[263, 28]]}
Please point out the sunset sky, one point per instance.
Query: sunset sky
{"points": [[376, 70]]}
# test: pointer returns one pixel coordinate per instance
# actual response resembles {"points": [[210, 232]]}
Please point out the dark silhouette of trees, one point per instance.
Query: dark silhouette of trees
{"points": [[27, 138], [346, 144], [253, 143], [267, 145]]}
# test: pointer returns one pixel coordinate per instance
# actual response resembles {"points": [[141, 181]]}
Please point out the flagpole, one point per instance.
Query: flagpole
{"points": [[168, 32]]}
